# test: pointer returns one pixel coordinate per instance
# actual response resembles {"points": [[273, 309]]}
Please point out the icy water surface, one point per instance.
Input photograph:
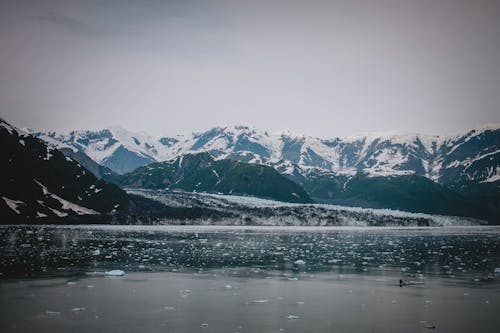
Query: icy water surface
{"points": [[229, 279]]}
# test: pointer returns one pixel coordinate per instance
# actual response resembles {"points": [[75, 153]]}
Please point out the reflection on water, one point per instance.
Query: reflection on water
{"points": [[47, 251]]}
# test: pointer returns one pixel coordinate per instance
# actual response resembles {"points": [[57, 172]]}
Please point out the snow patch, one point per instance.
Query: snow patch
{"points": [[493, 175], [13, 204], [38, 214], [66, 205], [9, 128], [216, 175]]}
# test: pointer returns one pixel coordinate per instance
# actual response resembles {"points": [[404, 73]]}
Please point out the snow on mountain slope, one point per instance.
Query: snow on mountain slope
{"points": [[39, 181], [442, 159], [119, 149]]}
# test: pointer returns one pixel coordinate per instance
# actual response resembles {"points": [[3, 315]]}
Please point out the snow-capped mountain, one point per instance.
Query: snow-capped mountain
{"points": [[116, 148], [463, 158], [38, 181], [455, 175]]}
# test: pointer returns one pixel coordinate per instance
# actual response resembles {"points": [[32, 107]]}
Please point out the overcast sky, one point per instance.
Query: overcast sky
{"points": [[322, 68]]}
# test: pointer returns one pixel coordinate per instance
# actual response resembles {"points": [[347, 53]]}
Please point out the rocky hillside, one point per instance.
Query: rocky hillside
{"points": [[38, 181]]}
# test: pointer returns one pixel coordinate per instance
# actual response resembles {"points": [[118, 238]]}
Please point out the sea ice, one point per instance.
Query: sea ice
{"points": [[52, 313], [185, 293], [115, 272], [78, 309]]}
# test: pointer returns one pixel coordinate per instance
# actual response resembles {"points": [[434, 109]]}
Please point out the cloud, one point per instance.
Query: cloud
{"points": [[319, 67], [66, 22]]}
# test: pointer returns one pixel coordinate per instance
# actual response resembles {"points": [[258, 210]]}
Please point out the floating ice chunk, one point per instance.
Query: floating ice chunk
{"points": [[292, 317], [96, 252], [185, 293], [299, 262], [52, 313], [497, 270], [228, 286], [115, 272], [260, 301], [78, 309]]}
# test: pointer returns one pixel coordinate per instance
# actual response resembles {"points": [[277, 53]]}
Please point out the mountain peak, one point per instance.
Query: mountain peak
{"points": [[376, 153], [291, 135]]}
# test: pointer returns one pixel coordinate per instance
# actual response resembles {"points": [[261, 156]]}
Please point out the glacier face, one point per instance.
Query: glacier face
{"points": [[473, 156], [245, 210]]}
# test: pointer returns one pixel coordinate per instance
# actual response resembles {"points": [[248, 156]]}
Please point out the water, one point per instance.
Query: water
{"points": [[229, 279]]}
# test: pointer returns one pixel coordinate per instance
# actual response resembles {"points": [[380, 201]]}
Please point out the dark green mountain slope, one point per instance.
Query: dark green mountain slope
{"points": [[410, 193], [201, 173], [38, 181], [487, 195]]}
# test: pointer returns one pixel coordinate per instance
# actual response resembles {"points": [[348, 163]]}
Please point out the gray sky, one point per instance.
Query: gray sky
{"points": [[322, 68]]}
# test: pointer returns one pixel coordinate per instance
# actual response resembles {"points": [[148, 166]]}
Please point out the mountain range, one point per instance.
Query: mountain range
{"points": [[42, 184], [457, 174], [446, 160], [80, 177]]}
